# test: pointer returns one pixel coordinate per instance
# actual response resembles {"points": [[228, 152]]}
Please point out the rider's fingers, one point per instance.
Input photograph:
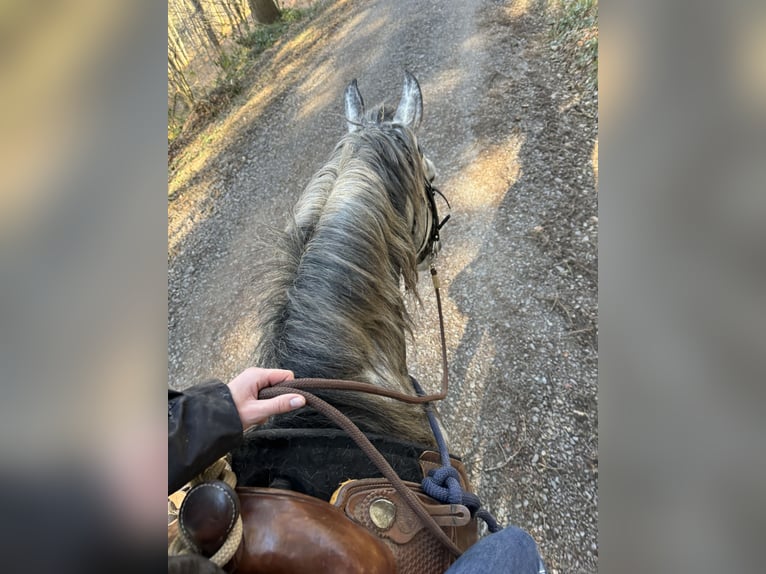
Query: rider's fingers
{"points": [[261, 410]]}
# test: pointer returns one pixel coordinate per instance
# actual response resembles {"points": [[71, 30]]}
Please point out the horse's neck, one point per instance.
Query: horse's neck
{"points": [[335, 309], [353, 292]]}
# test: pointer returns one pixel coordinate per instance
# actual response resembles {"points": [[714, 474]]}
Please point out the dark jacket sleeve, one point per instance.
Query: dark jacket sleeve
{"points": [[203, 425]]}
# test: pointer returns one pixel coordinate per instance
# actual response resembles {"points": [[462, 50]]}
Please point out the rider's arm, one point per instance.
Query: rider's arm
{"points": [[206, 421], [203, 425]]}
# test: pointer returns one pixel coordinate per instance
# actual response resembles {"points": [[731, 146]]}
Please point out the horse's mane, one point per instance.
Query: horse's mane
{"points": [[332, 304]]}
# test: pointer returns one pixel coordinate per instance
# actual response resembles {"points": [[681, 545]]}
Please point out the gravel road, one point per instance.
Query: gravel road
{"points": [[515, 145]]}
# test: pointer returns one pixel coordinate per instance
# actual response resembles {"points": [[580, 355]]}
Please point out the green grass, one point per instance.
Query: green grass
{"points": [[575, 32], [232, 65]]}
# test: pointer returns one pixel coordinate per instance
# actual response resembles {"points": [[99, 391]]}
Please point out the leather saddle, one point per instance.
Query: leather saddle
{"points": [[365, 528]]}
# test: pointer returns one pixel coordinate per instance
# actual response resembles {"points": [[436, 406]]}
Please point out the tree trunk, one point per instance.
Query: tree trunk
{"points": [[264, 11]]}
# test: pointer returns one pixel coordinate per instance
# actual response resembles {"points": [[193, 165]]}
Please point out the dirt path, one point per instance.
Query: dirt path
{"points": [[514, 145]]}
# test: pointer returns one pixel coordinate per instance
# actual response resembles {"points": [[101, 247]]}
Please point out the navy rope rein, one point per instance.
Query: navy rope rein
{"points": [[443, 483]]}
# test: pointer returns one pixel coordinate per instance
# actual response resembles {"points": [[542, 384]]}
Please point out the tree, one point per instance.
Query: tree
{"points": [[264, 11]]}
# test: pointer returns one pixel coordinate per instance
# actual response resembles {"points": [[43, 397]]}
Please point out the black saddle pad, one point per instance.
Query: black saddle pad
{"points": [[316, 461]]}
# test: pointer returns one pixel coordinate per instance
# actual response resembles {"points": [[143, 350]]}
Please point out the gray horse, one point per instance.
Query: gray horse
{"points": [[333, 306]]}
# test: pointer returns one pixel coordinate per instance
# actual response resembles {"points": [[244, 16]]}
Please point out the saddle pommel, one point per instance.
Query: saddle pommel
{"points": [[207, 515]]}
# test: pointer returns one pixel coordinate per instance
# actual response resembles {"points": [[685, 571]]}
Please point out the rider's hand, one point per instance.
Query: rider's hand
{"points": [[244, 390]]}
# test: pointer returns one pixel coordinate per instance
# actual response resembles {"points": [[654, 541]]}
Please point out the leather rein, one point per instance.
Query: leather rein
{"points": [[304, 386]]}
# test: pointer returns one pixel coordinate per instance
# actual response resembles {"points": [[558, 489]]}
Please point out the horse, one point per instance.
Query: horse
{"points": [[332, 304]]}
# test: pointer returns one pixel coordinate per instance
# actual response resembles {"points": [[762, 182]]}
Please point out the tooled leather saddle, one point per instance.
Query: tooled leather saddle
{"points": [[303, 512]]}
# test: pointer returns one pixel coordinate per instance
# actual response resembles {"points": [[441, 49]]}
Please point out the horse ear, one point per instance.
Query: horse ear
{"points": [[410, 109], [354, 106]]}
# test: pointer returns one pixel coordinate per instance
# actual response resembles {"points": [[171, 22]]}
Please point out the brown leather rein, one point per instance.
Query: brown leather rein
{"points": [[303, 387]]}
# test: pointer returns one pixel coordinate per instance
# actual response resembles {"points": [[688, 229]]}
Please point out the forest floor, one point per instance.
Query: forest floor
{"points": [[510, 122]]}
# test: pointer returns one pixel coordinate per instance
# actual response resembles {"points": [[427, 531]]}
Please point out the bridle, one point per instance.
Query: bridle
{"points": [[431, 239]]}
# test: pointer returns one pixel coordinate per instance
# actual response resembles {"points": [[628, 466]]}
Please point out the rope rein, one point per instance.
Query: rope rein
{"points": [[443, 483]]}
